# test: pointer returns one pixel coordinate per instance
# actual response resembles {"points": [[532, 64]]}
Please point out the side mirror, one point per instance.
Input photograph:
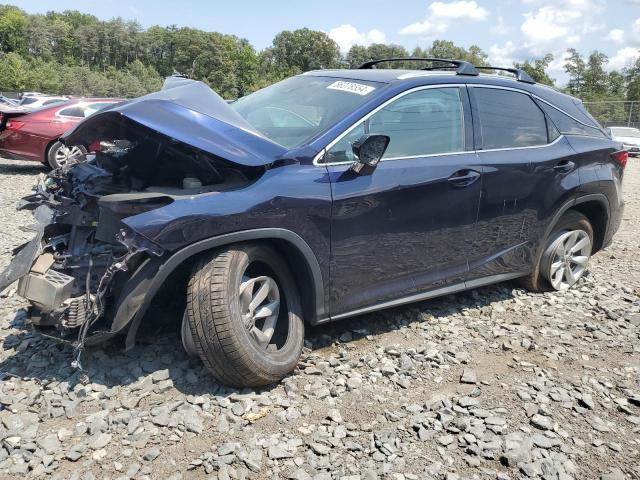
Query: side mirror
{"points": [[369, 150]]}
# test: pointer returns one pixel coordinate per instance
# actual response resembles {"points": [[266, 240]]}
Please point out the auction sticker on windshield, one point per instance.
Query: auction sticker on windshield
{"points": [[351, 87]]}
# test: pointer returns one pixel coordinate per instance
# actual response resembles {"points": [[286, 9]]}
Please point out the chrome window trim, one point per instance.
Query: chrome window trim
{"points": [[500, 87], [320, 155], [521, 148], [316, 159]]}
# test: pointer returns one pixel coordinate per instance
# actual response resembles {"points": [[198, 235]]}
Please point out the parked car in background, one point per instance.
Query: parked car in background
{"points": [[8, 101], [9, 109], [36, 102], [325, 196], [34, 135], [629, 137]]}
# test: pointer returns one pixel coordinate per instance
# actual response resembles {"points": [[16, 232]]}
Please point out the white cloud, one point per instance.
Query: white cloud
{"points": [[548, 23], [616, 36], [566, 20], [636, 32], [503, 55], [458, 9], [426, 28], [439, 13], [501, 28], [346, 36], [623, 58]]}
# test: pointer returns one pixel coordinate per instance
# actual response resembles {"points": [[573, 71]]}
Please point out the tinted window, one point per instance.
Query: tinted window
{"points": [[92, 108], [568, 125], [74, 111], [509, 119], [420, 123], [51, 102], [28, 100]]}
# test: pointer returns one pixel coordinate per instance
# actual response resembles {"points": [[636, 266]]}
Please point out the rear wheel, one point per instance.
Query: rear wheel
{"points": [[59, 154], [244, 315], [566, 255]]}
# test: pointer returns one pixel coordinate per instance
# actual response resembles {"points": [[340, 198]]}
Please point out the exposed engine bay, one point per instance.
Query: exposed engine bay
{"points": [[86, 272], [74, 268]]}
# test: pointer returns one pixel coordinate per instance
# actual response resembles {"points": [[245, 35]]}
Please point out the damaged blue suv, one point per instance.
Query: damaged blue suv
{"points": [[330, 194]]}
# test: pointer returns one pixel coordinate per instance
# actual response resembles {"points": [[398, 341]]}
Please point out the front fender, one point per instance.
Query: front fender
{"points": [[142, 286]]}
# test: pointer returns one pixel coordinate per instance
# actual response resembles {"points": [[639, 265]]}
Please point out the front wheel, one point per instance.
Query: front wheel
{"points": [[59, 154], [244, 314]]}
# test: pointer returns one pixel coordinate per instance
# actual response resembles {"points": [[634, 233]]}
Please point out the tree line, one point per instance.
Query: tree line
{"points": [[76, 53]]}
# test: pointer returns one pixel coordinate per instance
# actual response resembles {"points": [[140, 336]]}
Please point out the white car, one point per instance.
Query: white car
{"points": [[630, 138], [37, 101]]}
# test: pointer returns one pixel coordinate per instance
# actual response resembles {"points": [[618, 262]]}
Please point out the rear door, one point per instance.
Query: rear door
{"points": [[405, 227], [528, 170]]}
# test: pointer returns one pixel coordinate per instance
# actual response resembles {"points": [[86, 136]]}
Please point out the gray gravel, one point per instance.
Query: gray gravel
{"points": [[495, 383]]}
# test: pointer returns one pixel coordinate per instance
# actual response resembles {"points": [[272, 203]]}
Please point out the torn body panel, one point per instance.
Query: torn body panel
{"points": [[83, 254]]}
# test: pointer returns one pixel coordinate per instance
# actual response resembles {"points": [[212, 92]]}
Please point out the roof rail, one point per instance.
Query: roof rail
{"points": [[462, 67], [521, 75]]}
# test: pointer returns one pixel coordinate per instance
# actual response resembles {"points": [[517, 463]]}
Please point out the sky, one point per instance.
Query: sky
{"points": [[511, 30]]}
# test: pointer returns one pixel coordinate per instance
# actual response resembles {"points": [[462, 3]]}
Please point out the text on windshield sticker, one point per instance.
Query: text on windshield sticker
{"points": [[351, 87]]}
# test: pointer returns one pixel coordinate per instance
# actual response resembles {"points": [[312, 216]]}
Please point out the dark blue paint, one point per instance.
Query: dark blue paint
{"points": [[402, 228]]}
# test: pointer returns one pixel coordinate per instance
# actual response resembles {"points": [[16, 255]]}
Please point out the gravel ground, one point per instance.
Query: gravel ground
{"points": [[494, 383]]}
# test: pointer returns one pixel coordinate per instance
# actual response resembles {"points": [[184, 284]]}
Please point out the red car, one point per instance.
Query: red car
{"points": [[34, 136]]}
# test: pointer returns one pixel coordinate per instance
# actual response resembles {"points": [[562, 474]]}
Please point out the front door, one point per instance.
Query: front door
{"points": [[404, 227]]}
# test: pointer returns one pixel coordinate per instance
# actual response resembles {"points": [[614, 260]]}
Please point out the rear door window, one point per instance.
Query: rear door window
{"points": [[509, 119]]}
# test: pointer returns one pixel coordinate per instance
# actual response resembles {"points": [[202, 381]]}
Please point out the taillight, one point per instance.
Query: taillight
{"points": [[95, 146], [621, 157], [14, 125]]}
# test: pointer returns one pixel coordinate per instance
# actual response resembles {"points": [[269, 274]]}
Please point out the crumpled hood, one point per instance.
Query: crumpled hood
{"points": [[190, 112]]}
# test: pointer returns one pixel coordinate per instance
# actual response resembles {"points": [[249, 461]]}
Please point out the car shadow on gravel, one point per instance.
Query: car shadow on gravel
{"points": [[22, 168], [159, 353]]}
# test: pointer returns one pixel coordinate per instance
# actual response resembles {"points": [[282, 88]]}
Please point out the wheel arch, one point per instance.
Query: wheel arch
{"points": [[593, 206], [147, 280]]}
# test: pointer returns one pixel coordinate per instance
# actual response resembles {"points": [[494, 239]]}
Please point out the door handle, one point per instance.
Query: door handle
{"points": [[565, 166], [463, 178]]}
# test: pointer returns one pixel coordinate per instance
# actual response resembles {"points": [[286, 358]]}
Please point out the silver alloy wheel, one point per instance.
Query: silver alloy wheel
{"points": [[259, 299], [566, 259], [64, 154]]}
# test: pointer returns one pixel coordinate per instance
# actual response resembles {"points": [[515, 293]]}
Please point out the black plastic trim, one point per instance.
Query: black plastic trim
{"points": [[145, 282], [462, 67]]}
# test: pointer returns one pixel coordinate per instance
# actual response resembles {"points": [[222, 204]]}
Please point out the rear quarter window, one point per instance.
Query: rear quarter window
{"points": [[570, 126]]}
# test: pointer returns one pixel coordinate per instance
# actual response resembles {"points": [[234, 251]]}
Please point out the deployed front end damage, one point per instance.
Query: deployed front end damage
{"points": [[79, 270]]}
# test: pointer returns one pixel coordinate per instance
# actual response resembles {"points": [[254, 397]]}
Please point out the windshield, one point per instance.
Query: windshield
{"points": [[295, 110], [626, 132]]}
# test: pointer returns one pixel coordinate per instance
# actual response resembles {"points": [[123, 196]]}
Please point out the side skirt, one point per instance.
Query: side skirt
{"points": [[438, 292]]}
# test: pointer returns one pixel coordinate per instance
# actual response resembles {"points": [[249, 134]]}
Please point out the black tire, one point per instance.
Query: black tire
{"points": [[571, 220], [52, 154], [187, 337], [220, 333]]}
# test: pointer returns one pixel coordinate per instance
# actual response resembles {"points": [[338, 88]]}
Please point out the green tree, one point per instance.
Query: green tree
{"points": [[537, 69], [303, 50], [447, 49], [632, 77], [13, 29], [575, 67]]}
